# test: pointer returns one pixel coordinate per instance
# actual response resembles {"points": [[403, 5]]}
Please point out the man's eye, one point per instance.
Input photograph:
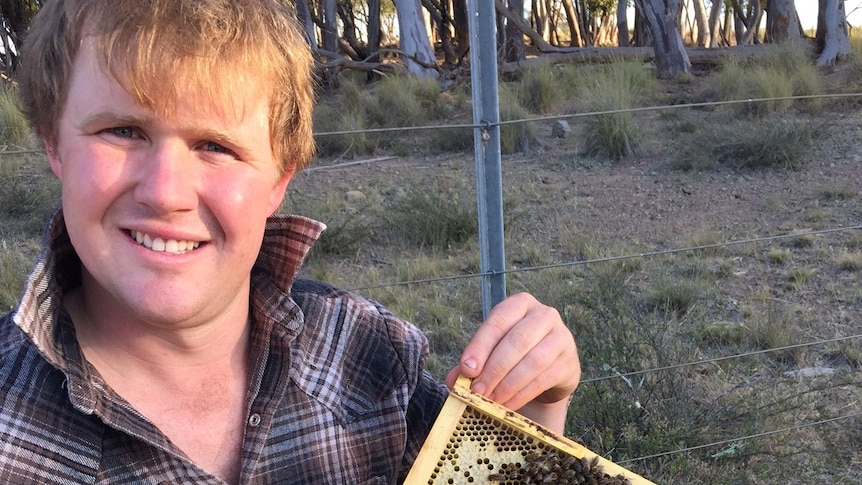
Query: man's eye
{"points": [[216, 148], [123, 132]]}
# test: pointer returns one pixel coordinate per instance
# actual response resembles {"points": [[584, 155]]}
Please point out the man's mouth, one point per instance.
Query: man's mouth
{"points": [[158, 244]]}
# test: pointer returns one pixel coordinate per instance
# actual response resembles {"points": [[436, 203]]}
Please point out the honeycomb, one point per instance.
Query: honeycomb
{"points": [[475, 440]]}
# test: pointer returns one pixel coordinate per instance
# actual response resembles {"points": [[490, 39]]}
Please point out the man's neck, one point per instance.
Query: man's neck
{"points": [[191, 384]]}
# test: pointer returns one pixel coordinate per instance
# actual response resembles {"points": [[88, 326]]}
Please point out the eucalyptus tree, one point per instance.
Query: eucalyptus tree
{"points": [[15, 16], [662, 19], [782, 21], [832, 36]]}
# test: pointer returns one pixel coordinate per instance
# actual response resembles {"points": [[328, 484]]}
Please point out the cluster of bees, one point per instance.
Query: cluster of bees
{"points": [[551, 467]]}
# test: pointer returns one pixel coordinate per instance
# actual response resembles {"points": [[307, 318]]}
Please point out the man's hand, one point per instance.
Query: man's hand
{"points": [[525, 358]]}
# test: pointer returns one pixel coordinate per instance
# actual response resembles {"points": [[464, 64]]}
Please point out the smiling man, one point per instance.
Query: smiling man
{"points": [[162, 336]]}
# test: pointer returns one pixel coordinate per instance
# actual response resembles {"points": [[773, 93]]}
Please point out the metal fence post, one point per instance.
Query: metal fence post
{"points": [[486, 139]]}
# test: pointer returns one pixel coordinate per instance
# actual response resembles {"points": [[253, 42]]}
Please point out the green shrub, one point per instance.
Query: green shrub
{"points": [[14, 266], [610, 90], [769, 82], [436, 217], [14, 129], [541, 89], [399, 101], [519, 136], [763, 143]]}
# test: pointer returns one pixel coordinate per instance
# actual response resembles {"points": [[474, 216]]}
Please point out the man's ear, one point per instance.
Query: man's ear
{"points": [[53, 158], [276, 197]]}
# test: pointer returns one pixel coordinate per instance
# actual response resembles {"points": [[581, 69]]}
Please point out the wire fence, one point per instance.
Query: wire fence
{"points": [[586, 381], [851, 226]]}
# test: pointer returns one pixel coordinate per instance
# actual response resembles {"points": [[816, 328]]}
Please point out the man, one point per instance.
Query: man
{"points": [[161, 337]]}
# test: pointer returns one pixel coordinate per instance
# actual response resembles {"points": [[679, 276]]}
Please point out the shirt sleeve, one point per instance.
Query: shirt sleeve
{"points": [[422, 411]]}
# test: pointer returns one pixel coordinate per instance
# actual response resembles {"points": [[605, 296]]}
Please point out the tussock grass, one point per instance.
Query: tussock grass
{"points": [[14, 266], [674, 297], [796, 278], [774, 143], [515, 137], [788, 71], [14, 129], [849, 261], [547, 89], [403, 101], [613, 88], [436, 218], [779, 255]]}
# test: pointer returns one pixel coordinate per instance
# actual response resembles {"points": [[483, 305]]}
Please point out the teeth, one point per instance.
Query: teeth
{"points": [[158, 244]]}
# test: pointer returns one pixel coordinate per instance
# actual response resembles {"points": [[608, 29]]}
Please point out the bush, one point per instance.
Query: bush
{"points": [[437, 217], [515, 137], [765, 143], [14, 129], [611, 90]]}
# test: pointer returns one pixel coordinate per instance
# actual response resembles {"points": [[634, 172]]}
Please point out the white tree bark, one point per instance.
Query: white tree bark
{"points": [[703, 32], [661, 17], [832, 33], [715, 23], [782, 22], [417, 54]]}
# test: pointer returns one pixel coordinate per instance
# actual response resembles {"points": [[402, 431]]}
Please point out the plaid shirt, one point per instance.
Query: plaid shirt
{"points": [[337, 393]]}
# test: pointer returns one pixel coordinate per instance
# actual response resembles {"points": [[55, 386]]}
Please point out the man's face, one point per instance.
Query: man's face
{"points": [[166, 212]]}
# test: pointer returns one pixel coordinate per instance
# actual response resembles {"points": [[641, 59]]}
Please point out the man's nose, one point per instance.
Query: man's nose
{"points": [[168, 177]]}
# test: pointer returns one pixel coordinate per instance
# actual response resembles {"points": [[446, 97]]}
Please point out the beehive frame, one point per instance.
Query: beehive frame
{"points": [[474, 437]]}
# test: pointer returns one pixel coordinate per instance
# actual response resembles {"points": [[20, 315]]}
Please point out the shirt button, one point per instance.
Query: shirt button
{"points": [[254, 420]]}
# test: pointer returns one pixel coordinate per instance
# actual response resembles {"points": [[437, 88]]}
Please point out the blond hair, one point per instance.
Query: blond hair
{"points": [[213, 46]]}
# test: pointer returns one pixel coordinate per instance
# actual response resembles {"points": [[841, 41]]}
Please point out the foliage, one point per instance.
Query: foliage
{"points": [[546, 88], [611, 90], [788, 70], [514, 137], [767, 143], [13, 266], [435, 218], [14, 129], [404, 101]]}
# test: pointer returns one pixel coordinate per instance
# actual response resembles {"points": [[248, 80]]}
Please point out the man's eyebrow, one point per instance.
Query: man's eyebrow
{"points": [[115, 119]]}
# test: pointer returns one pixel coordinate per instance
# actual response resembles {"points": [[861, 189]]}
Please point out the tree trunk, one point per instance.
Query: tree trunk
{"points": [[833, 39], [622, 24], [752, 25], [539, 14], [303, 14], [350, 41], [462, 29], [576, 39], [661, 19], [416, 51], [715, 24], [373, 30], [330, 27], [583, 22], [782, 22], [439, 12], [514, 48], [704, 31]]}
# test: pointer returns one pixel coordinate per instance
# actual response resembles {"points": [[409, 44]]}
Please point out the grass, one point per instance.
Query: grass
{"points": [[14, 130], [611, 90], [775, 143]]}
